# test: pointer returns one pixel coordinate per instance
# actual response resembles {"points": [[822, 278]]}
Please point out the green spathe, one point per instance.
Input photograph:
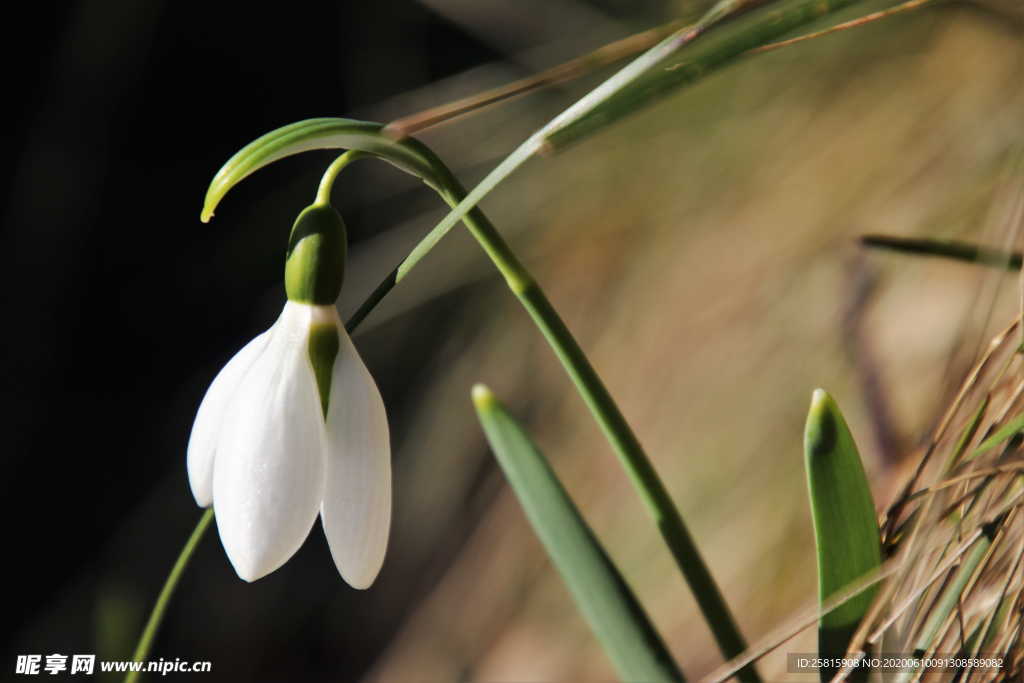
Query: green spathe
{"points": [[315, 265]]}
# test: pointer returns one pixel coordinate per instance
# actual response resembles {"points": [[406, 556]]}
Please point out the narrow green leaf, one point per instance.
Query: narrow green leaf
{"points": [[995, 626], [951, 249], [680, 62], [845, 526], [1007, 431], [951, 594], [966, 435], [603, 596], [950, 597], [325, 133]]}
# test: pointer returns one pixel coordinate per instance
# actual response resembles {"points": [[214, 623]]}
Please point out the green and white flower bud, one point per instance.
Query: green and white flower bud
{"points": [[315, 265]]}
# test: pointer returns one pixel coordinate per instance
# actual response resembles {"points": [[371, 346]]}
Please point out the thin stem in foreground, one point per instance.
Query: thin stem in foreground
{"points": [[157, 615]]}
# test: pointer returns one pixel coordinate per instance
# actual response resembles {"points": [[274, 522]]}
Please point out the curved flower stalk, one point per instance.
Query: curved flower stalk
{"points": [[294, 426]]}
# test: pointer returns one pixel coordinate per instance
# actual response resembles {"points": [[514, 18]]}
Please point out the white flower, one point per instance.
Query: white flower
{"points": [[271, 448]]}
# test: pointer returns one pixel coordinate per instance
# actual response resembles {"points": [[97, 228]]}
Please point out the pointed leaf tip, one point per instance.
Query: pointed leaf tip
{"points": [[821, 430], [605, 599], [325, 133], [845, 524], [483, 399], [818, 397]]}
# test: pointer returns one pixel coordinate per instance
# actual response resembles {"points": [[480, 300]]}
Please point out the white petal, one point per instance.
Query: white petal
{"points": [[357, 503], [268, 476], [203, 441]]}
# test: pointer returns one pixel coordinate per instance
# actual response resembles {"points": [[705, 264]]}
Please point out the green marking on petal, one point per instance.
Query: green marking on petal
{"points": [[323, 349]]}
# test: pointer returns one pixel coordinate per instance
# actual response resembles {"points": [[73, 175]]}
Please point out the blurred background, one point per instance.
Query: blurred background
{"points": [[704, 253]]}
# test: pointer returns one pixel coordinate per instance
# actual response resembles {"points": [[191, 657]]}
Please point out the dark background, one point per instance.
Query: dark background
{"points": [[121, 306]]}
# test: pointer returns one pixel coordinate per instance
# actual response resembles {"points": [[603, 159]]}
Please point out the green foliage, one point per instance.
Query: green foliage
{"points": [[677, 62], [950, 597], [845, 527], [603, 596], [950, 249], [324, 133], [1007, 431]]}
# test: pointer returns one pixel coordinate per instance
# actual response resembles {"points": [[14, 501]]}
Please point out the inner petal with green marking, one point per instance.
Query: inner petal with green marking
{"points": [[323, 350]]}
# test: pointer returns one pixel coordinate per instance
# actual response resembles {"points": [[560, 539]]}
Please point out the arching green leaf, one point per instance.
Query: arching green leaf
{"points": [[326, 133]]}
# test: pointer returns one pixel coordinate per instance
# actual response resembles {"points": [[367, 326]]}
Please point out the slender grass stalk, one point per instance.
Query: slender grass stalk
{"points": [[680, 61], [1007, 431], [643, 81], [604, 56], [575, 68], [966, 435], [846, 25], [157, 615], [951, 249], [605, 599], [950, 597]]}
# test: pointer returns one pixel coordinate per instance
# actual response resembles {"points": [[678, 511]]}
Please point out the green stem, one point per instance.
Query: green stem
{"points": [[618, 432], [323, 193], [157, 615]]}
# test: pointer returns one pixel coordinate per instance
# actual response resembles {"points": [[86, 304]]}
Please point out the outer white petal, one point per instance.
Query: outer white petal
{"points": [[268, 476], [356, 511], [202, 444]]}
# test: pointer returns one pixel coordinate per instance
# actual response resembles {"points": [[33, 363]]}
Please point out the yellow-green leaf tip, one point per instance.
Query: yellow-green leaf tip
{"points": [[820, 433], [483, 398], [819, 399]]}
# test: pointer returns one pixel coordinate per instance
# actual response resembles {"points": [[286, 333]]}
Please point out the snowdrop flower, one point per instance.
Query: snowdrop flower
{"points": [[294, 426]]}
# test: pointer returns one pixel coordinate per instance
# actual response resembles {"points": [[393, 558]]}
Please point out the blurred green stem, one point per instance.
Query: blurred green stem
{"points": [[157, 615]]}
